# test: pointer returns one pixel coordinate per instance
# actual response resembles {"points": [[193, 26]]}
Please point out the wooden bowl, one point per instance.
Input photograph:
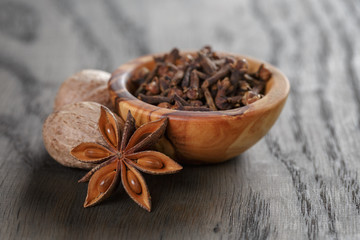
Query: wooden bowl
{"points": [[203, 137]]}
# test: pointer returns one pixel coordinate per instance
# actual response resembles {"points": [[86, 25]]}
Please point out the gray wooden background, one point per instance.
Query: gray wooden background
{"points": [[300, 182]]}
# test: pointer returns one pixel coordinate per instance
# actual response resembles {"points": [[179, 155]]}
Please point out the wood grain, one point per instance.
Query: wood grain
{"points": [[299, 182]]}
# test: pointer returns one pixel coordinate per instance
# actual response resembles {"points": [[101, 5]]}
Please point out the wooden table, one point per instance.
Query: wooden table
{"points": [[299, 182]]}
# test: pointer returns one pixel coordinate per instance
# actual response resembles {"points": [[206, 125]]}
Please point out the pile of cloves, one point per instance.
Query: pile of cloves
{"points": [[205, 82]]}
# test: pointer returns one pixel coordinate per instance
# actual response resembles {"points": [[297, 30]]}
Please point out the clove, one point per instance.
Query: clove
{"points": [[193, 92], [201, 81], [154, 99]]}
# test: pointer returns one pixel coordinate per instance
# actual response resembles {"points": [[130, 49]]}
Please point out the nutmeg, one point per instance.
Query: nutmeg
{"points": [[87, 85], [71, 125]]}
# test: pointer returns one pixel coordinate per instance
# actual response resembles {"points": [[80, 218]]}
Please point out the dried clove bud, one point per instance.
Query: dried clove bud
{"points": [[193, 92], [152, 73], [164, 83], [202, 81], [220, 74], [174, 91], [186, 80], [263, 73], [153, 87], [221, 99], [164, 105], [250, 97], [180, 100], [242, 65], [172, 56], [201, 74], [195, 103], [208, 66], [176, 79], [154, 99], [209, 99]]}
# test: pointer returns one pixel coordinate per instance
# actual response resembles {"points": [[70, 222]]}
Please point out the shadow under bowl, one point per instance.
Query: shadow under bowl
{"points": [[203, 137]]}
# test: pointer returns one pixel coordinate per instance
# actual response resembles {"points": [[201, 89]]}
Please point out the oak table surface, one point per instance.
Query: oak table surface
{"points": [[301, 181]]}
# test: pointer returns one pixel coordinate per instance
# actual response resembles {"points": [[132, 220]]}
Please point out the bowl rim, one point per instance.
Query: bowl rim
{"points": [[277, 93]]}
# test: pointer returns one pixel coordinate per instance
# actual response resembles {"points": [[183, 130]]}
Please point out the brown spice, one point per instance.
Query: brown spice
{"points": [[205, 80], [122, 157]]}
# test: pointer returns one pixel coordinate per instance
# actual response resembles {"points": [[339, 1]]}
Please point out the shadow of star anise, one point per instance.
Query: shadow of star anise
{"points": [[123, 156]]}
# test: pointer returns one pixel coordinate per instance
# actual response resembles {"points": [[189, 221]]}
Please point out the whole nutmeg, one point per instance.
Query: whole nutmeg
{"points": [[71, 125], [87, 85]]}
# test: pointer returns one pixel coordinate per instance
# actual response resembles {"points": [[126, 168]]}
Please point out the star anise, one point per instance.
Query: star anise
{"points": [[123, 156]]}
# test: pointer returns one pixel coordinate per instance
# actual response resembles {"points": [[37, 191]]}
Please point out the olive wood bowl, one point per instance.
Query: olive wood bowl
{"points": [[203, 137]]}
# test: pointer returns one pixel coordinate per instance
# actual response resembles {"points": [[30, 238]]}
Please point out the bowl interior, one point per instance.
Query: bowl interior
{"points": [[276, 90]]}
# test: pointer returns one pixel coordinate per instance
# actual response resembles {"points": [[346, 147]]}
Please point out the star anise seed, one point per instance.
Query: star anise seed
{"points": [[123, 156]]}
